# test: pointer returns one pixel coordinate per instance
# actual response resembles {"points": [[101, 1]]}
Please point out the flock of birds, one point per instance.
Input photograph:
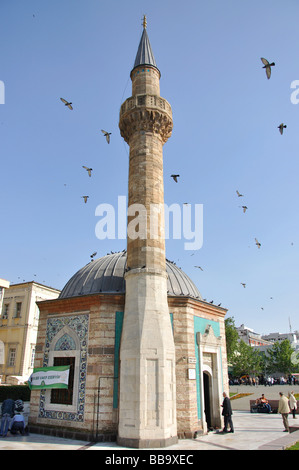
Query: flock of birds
{"points": [[267, 66], [68, 104]]}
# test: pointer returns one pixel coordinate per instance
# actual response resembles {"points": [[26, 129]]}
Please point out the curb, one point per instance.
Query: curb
{"points": [[282, 443]]}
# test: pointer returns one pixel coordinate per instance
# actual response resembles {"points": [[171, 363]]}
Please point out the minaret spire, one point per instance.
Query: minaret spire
{"points": [[144, 54], [144, 23], [147, 401]]}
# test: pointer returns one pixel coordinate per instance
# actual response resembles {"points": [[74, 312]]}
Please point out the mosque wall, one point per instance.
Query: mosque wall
{"points": [[89, 328], [83, 328], [191, 318]]}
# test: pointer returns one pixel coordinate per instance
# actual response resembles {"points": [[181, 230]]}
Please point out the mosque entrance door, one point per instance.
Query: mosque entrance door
{"points": [[207, 399]]}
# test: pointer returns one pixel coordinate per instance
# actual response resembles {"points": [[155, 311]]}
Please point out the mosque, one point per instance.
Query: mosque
{"points": [[147, 354]]}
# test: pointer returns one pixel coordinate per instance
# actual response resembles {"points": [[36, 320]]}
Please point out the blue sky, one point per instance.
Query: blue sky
{"points": [[225, 138]]}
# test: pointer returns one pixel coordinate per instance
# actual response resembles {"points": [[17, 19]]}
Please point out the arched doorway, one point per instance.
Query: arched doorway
{"points": [[207, 398]]}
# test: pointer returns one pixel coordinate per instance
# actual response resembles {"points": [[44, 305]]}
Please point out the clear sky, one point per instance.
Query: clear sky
{"points": [[225, 138]]}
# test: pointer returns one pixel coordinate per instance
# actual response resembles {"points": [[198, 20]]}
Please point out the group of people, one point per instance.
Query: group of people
{"points": [[286, 405], [12, 417], [263, 380]]}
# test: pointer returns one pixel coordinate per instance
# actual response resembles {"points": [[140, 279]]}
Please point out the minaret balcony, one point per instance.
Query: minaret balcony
{"points": [[145, 112], [147, 101]]}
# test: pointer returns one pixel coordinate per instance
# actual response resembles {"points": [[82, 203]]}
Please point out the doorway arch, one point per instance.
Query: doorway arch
{"points": [[207, 399]]}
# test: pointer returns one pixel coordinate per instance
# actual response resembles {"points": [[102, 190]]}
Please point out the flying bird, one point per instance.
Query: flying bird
{"points": [[87, 169], [175, 177], [239, 195], [199, 267], [267, 66], [67, 103], [107, 135], [243, 284], [244, 208], [85, 198], [257, 243], [93, 255], [281, 127]]}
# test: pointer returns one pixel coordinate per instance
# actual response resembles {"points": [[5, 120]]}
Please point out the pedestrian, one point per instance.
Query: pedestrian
{"points": [[227, 414], [7, 409], [283, 409], [18, 424], [293, 403]]}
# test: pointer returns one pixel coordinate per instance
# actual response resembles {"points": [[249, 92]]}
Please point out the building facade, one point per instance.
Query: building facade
{"points": [[83, 328], [250, 337], [18, 328], [147, 355]]}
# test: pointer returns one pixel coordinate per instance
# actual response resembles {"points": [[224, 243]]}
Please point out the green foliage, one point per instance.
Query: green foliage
{"points": [[231, 335], [246, 361], [279, 358], [16, 392]]}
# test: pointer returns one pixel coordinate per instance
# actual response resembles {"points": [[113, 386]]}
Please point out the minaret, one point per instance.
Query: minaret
{"points": [[147, 403]]}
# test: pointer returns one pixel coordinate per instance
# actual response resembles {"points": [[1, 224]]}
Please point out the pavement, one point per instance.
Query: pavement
{"points": [[253, 431]]}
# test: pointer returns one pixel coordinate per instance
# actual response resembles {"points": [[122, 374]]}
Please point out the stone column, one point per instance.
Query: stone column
{"points": [[147, 405]]}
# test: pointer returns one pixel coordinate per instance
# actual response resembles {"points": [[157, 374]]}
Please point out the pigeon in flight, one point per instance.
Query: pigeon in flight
{"points": [[85, 198], [107, 135], [87, 169], [67, 103], [199, 267], [257, 243], [243, 284], [281, 127], [239, 195], [93, 255], [267, 66], [175, 177]]}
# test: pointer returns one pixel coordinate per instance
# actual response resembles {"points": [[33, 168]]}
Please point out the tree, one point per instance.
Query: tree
{"points": [[279, 357], [247, 361], [232, 337]]}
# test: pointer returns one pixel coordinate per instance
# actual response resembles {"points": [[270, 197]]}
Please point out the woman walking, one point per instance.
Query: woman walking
{"points": [[293, 403]]}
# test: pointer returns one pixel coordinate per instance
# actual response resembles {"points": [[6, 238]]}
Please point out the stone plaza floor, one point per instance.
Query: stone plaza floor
{"points": [[253, 431]]}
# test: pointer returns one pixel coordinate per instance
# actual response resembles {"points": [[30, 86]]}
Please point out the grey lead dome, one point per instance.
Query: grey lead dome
{"points": [[106, 275]]}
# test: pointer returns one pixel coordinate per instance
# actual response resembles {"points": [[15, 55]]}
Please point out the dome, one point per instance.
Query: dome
{"points": [[106, 275]]}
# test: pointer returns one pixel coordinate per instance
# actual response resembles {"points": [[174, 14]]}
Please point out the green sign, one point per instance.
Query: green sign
{"points": [[49, 377]]}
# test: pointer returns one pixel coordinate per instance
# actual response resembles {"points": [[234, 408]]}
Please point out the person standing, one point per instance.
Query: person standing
{"points": [[227, 414], [293, 403], [283, 409], [8, 408]]}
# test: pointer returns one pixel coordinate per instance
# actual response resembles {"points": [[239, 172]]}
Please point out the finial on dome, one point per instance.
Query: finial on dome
{"points": [[144, 23]]}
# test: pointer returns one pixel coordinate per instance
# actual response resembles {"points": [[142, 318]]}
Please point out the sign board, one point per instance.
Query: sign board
{"points": [[192, 360], [49, 377], [191, 374]]}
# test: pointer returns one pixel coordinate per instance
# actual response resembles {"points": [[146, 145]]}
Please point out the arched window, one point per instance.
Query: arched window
{"points": [[66, 341]]}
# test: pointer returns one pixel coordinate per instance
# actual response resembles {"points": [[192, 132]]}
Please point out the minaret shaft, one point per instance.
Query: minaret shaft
{"points": [[147, 405], [146, 189]]}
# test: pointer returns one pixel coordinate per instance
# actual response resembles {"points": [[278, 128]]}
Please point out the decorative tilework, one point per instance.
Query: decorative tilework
{"points": [[65, 343], [79, 325]]}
